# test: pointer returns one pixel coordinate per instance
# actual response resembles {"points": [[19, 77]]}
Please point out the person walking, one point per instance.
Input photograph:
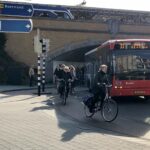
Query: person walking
{"points": [[31, 75]]}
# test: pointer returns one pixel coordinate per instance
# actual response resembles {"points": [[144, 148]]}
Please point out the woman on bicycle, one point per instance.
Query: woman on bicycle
{"points": [[98, 89]]}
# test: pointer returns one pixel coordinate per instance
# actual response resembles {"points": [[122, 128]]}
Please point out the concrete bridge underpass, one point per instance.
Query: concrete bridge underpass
{"points": [[70, 55], [71, 39], [73, 52]]}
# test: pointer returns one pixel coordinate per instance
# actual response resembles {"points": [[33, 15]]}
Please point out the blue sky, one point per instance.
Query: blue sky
{"points": [[116, 4]]}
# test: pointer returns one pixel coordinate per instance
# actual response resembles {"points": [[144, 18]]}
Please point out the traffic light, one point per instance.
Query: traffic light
{"points": [[45, 45]]}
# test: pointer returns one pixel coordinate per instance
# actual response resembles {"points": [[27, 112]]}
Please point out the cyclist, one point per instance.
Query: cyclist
{"points": [[98, 88], [66, 76], [59, 74], [73, 75], [56, 72]]}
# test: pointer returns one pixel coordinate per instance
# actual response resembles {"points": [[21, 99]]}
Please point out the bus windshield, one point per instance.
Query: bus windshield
{"points": [[132, 65]]}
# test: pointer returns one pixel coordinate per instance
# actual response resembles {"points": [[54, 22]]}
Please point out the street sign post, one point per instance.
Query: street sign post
{"points": [[16, 25], [16, 9]]}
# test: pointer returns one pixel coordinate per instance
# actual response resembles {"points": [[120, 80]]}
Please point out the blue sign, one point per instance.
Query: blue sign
{"points": [[52, 12], [16, 9], [16, 25]]}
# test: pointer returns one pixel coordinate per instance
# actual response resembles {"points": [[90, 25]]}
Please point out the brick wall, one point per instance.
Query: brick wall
{"points": [[61, 33]]}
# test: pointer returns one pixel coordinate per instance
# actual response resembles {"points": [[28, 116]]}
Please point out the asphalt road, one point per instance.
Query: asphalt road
{"points": [[133, 117], [32, 122]]}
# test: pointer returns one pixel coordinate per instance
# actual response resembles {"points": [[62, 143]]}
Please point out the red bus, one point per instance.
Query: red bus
{"points": [[128, 62]]}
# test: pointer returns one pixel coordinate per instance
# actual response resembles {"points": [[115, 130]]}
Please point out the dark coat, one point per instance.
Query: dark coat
{"points": [[66, 76], [59, 73], [101, 77]]}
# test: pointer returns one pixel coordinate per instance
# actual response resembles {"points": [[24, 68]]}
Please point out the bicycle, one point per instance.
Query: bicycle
{"points": [[65, 91], [70, 88], [107, 106]]}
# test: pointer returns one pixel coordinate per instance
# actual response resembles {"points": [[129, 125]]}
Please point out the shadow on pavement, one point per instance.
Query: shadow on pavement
{"points": [[71, 118], [133, 119]]}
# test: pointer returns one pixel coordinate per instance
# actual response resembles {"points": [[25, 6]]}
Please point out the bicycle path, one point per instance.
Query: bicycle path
{"points": [[74, 109], [124, 125], [32, 122]]}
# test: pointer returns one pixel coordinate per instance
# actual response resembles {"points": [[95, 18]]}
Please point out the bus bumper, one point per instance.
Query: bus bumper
{"points": [[130, 92]]}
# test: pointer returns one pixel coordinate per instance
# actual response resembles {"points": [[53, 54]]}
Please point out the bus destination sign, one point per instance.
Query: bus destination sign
{"points": [[134, 45]]}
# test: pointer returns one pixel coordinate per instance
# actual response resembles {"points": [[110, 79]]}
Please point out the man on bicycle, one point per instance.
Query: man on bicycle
{"points": [[66, 77], [98, 88], [58, 73]]}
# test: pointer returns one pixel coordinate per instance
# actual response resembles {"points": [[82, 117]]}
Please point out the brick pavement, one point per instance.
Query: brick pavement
{"points": [[28, 123]]}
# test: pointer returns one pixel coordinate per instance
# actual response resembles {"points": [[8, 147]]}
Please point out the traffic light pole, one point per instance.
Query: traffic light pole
{"points": [[41, 46], [45, 48], [43, 64], [38, 64], [39, 74], [43, 74]]}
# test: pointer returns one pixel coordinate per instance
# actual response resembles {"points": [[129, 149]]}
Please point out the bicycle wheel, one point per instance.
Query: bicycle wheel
{"points": [[64, 98], [70, 90], [109, 110], [87, 112]]}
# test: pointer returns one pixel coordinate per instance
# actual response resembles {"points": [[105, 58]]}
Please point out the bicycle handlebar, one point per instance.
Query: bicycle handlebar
{"points": [[69, 80], [105, 85]]}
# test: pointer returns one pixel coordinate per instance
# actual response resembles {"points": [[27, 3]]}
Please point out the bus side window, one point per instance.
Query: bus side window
{"points": [[110, 72]]}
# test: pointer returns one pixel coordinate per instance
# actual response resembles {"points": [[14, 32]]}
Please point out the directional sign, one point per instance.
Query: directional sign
{"points": [[16, 9], [52, 11], [16, 25]]}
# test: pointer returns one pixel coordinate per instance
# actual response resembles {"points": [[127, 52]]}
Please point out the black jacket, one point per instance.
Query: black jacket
{"points": [[66, 76], [101, 77], [59, 73]]}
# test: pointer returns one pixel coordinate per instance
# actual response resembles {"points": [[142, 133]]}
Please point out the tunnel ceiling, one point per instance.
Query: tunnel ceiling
{"points": [[75, 55]]}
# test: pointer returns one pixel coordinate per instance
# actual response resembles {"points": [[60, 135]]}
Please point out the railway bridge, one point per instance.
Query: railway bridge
{"points": [[70, 39]]}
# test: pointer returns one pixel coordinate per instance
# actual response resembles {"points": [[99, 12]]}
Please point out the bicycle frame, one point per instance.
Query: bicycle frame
{"points": [[99, 104], [107, 96], [65, 92]]}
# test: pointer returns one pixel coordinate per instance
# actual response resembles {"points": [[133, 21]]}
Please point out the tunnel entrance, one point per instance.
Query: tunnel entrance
{"points": [[76, 55], [73, 57]]}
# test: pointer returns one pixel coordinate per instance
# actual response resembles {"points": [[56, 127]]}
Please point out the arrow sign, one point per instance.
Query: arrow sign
{"points": [[16, 9], [16, 25]]}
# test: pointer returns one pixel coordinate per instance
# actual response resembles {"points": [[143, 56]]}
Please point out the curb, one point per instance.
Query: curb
{"points": [[23, 89]]}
